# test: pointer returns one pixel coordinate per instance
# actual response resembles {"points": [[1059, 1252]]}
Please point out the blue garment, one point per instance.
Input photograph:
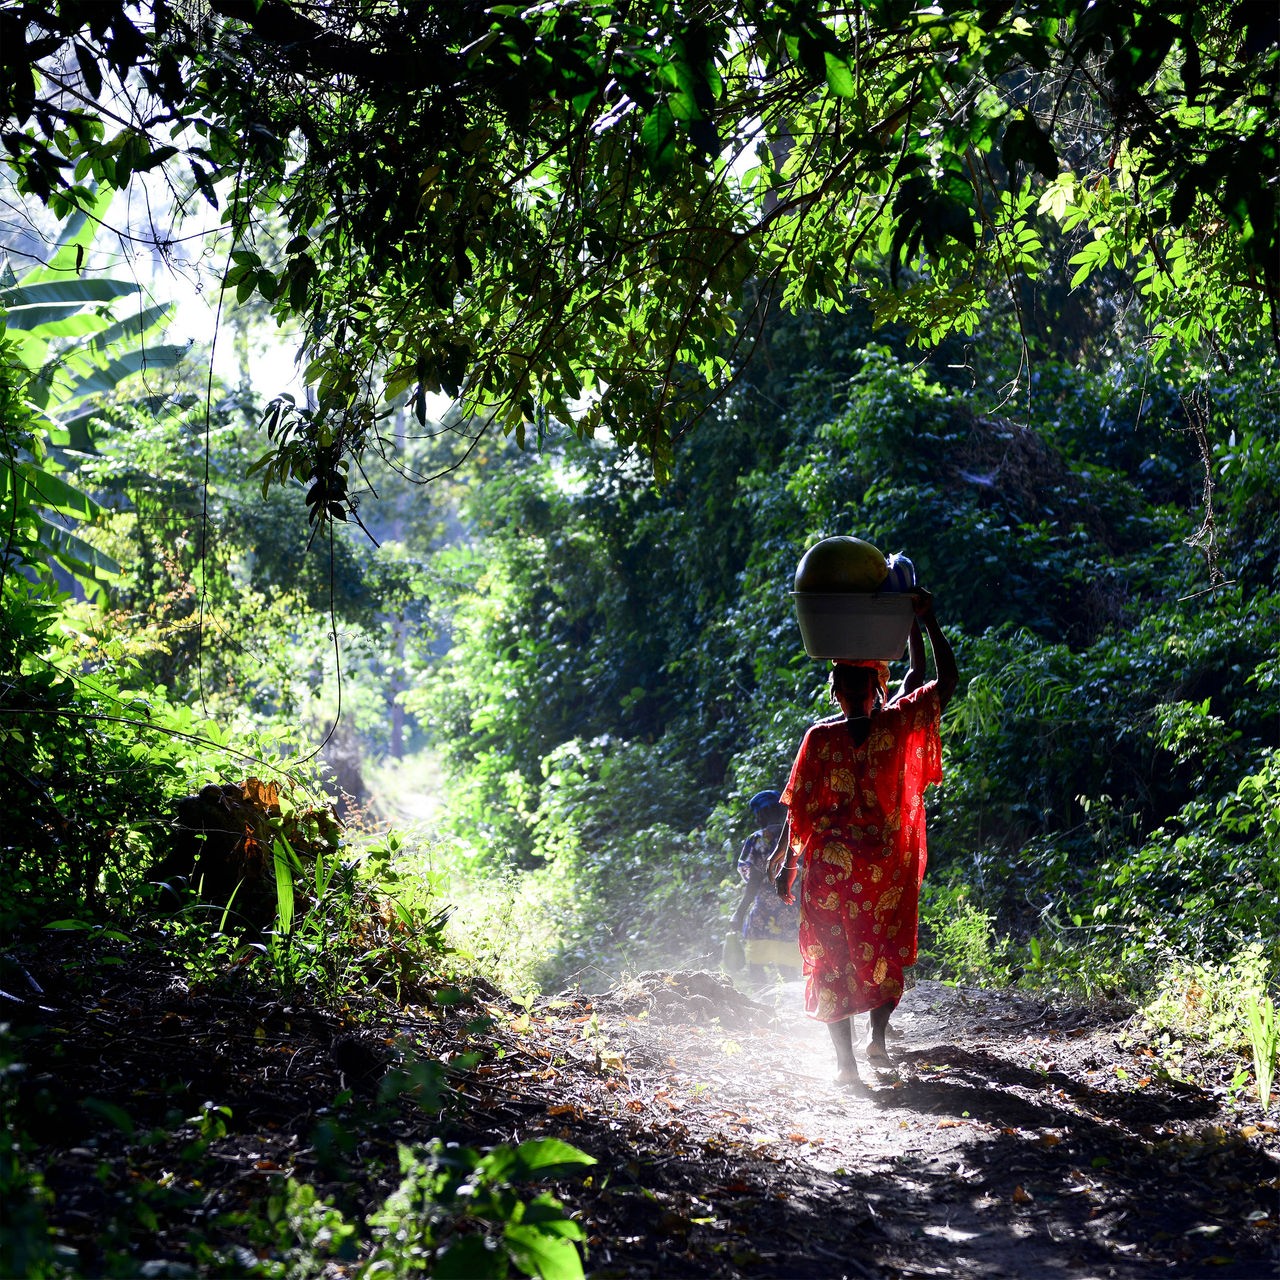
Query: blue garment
{"points": [[771, 931]]}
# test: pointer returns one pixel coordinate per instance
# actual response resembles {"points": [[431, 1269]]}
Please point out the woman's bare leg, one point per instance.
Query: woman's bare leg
{"points": [[877, 1051], [842, 1038]]}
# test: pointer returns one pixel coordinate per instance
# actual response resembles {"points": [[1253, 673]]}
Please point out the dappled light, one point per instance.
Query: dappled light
{"points": [[684, 683], [1011, 1135]]}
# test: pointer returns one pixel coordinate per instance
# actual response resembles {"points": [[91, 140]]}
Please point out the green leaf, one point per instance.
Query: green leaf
{"points": [[299, 275], [539, 1253], [548, 1157], [56, 322], [83, 561], [1092, 257], [284, 858], [111, 375], [1058, 197], [812, 51], [55, 494], [658, 133], [89, 69], [839, 76], [71, 293], [548, 1213], [471, 1258], [118, 1116], [73, 430], [133, 328], [1025, 141], [155, 159]]}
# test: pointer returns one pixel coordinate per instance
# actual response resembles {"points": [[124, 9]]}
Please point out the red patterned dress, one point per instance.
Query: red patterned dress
{"points": [[857, 821]]}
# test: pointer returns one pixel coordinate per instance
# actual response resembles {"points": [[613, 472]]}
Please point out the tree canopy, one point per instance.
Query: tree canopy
{"points": [[717, 235], [576, 212]]}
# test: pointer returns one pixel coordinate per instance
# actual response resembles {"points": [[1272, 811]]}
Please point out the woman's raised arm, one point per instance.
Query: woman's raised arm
{"points": [[944, 659]]}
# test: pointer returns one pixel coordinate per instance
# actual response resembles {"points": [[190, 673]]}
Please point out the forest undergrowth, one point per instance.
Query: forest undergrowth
{"points": [[177, 1109]]}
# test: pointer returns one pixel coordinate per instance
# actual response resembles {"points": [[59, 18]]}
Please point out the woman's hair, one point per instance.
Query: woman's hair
{"points": [[854, 679], [773, 815], [849, 679]]}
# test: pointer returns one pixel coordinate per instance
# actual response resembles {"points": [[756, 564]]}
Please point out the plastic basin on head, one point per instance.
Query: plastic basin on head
{"points": [[850, 624]]}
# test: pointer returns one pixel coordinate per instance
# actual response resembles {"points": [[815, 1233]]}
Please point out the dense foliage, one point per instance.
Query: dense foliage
{"points": [[597, 221], [626, 669], [575, 214], [199, 647], [580, 228]]}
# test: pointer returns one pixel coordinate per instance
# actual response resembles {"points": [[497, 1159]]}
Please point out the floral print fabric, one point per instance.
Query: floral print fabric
{"points": [[771, 929], [858, 824]]}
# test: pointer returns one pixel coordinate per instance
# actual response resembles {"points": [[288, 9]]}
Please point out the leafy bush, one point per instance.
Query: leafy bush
{"points": [[343, 920], [459, 1212], [958, 940], [1206, 882], [456, 1212], [1206, 1001], [626, 660]]}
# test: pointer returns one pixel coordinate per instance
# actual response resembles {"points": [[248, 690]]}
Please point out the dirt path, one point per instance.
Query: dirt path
{"points": [[1014, 1140], [1011, 1141]]}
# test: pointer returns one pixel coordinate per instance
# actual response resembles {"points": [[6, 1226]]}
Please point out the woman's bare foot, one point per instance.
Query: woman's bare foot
{"points": [[849, 1077], [842, 1041], [876, 1053], [877, 1056]]}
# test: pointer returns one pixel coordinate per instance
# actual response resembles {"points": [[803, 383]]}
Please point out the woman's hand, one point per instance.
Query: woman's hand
{"points": [[784, 881], [921, 601]]}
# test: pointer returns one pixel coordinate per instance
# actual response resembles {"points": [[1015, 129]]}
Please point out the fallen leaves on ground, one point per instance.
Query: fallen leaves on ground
{"points": [[1009, 1143]]}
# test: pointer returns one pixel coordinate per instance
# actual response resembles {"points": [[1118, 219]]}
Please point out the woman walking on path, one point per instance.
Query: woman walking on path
{"points": [[855, 802], [769, 926]]}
